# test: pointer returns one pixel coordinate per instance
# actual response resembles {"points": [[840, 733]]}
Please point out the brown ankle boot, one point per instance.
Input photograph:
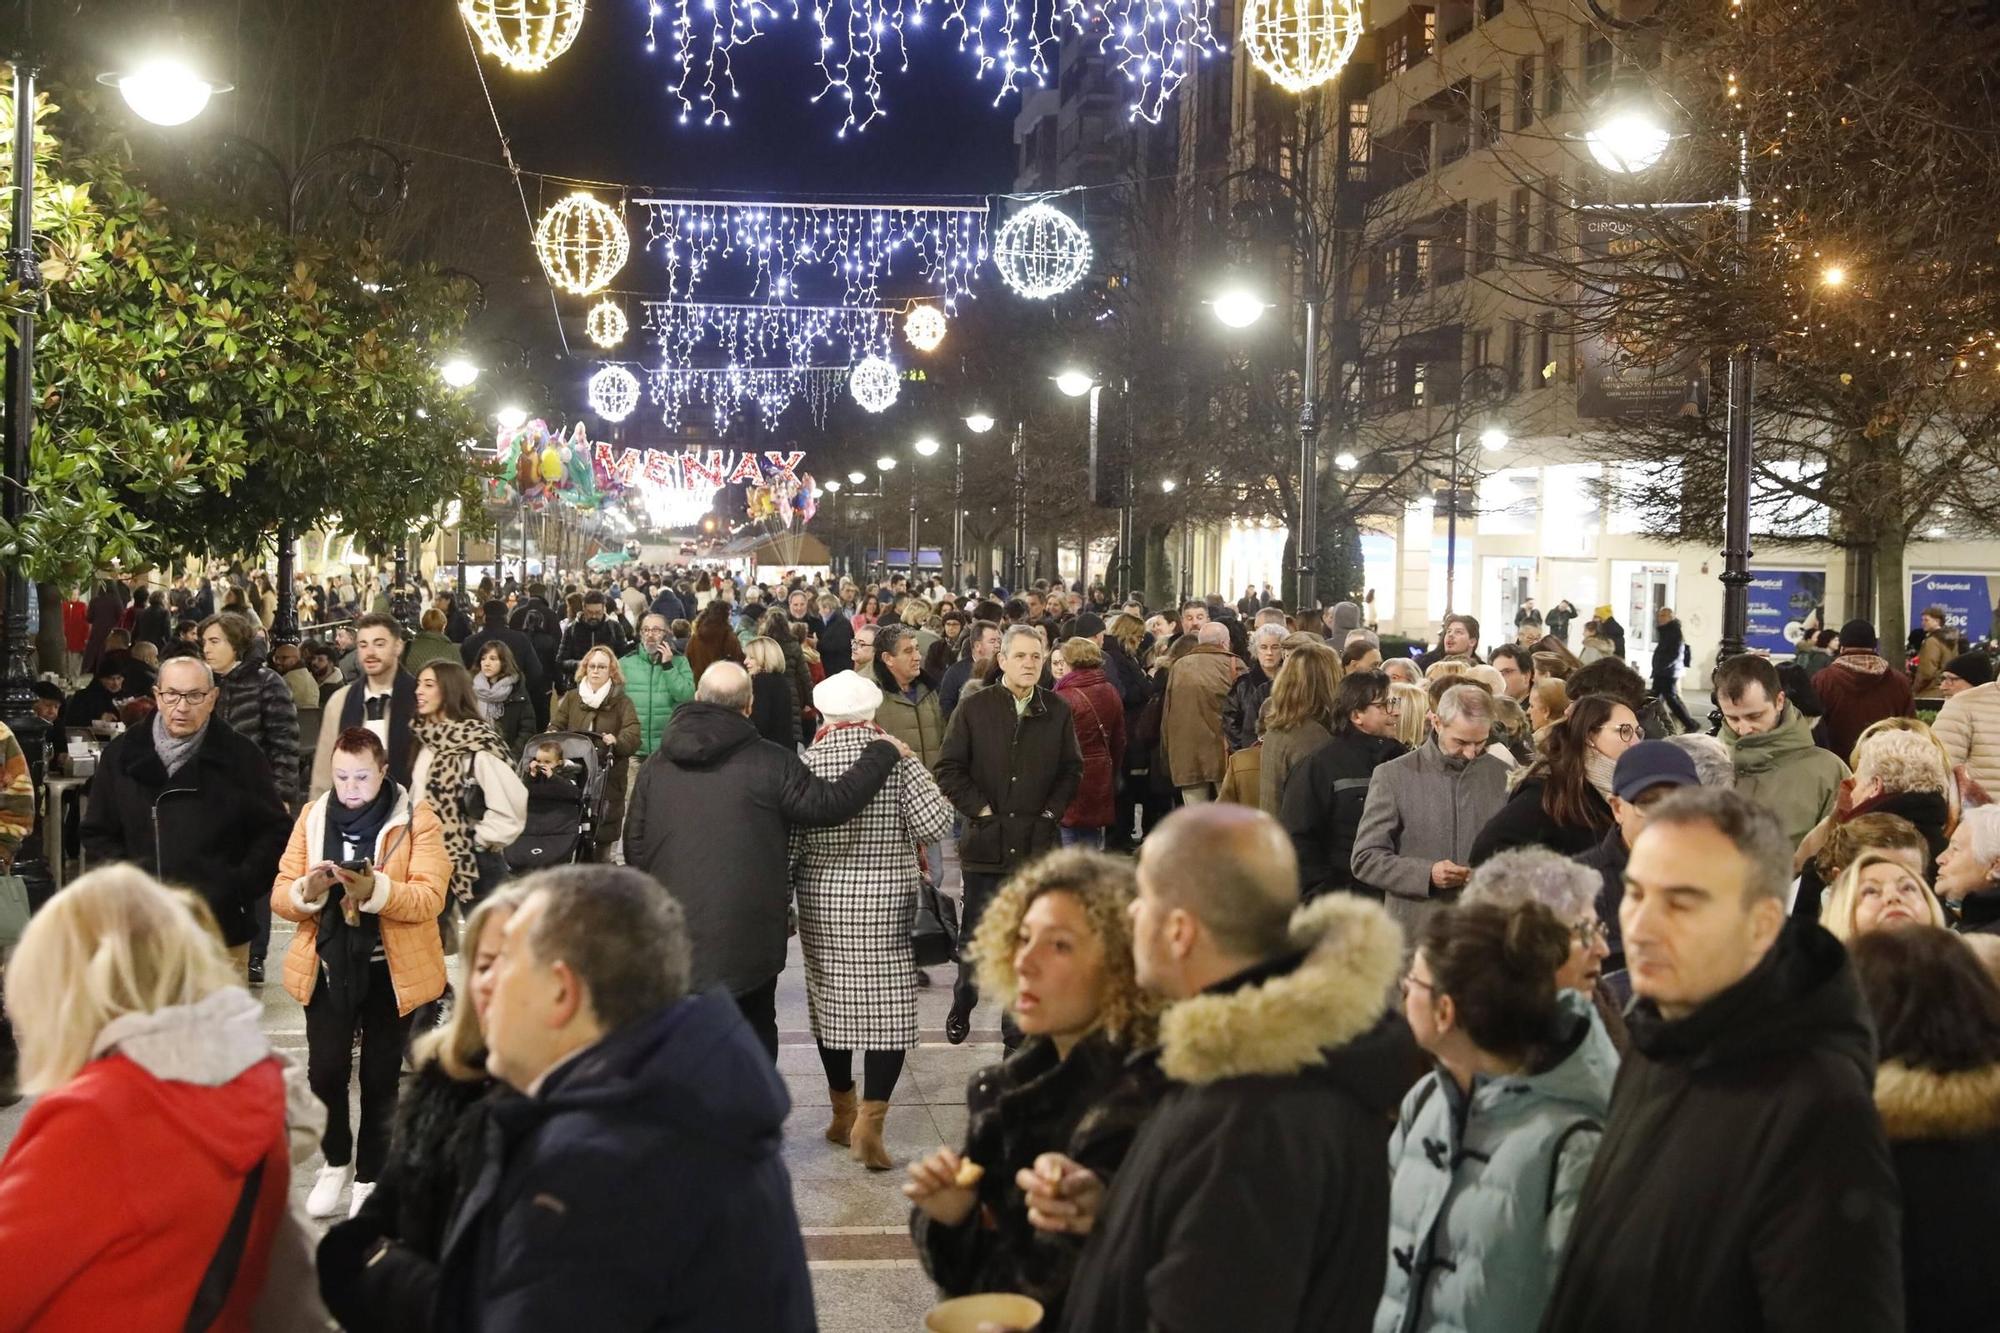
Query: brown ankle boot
{"points": [[843, 1118], [868, 1149]]}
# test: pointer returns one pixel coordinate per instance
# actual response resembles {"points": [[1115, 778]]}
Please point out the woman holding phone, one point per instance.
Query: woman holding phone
{"points": [[364, 876]]}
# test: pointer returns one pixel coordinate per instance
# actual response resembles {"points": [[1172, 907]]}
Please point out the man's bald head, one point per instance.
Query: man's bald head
{"points": [[726, 684], [1232, 868], [1212, 632]]}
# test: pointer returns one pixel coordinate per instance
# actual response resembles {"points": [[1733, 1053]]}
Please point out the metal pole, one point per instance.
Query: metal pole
{"points": [[285, 618], [881, 533], [1736, 505], [913, 528], [957, 578], [1187, 555], [1451, 526], [1020, 576], [459, 598], [1309, 467], [17, 696]]}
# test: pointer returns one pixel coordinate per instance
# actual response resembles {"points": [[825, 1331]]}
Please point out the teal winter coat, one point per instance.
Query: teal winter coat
{"points": [[1483, 1188], [656, 691]]}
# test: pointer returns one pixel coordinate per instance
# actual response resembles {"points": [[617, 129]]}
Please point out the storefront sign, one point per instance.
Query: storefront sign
{"points": [[1621, 368], [1784, 605], [1966, 599]]}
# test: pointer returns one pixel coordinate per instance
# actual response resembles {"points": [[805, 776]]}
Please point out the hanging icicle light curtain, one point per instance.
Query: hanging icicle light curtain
{"points": [[614, 392], [582, 244], [1158, 43], [722, 389], [524, 35], [1301, 44], [782, 244], [747, 334], [1041, 252], [924, 326], [875, 382], [606, 324]]}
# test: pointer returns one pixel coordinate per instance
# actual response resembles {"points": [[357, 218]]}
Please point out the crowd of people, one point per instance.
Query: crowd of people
{"points": [[1474, 989]]}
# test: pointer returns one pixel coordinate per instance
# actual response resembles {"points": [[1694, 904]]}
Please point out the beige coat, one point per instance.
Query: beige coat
{"points": [[1969, 726], [1191, 725]]}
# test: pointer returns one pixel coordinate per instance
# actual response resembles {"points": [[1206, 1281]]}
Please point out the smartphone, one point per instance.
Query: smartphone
{"points": [[354, 867]]}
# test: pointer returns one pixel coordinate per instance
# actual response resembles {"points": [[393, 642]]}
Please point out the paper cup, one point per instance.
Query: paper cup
{"points": [[967, 1313]]}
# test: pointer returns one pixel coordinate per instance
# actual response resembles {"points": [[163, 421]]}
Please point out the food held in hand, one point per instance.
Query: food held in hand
{"points": [[968, 1175]]}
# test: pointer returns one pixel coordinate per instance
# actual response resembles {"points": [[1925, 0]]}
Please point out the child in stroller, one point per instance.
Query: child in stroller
{"points": [[565, 784]]}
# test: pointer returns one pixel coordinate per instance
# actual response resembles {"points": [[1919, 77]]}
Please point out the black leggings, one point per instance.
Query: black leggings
{"points": [[879, 1071], [330, 1061]]}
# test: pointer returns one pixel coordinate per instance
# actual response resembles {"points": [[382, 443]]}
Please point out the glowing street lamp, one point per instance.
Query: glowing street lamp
{"points": [[1074, 382], [511, 417], [886, 463], [459, 372], [1239, 307], [1631, 136], [1493, 439], [926, 446], [164, 90], [857, 477], [979, 423]]}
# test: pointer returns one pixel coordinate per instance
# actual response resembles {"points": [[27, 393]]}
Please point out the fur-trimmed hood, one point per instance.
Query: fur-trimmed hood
{"points": [[1924, 1104], [1288, 1023]]}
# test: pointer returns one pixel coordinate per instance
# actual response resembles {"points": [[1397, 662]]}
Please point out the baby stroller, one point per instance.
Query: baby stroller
{"points": [[564, 811]]}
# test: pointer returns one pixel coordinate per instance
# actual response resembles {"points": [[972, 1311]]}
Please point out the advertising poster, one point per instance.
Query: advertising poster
{"points": [[1783, 602], [1966, 598], [1620, 371]]}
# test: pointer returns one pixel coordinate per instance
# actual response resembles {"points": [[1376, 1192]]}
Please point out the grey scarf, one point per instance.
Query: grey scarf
{"points": [[174, 751]]}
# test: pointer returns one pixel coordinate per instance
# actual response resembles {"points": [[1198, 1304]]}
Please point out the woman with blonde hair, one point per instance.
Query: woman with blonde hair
{"points": [[159, 1143], [1410, 705], [600, 708], [1897, 771], [1297, 719], [773, 703], [1878, 891], [1056, 945], [1548, 702], [378, 1268]]}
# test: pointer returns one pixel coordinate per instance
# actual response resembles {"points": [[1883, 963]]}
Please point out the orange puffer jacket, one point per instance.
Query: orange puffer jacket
{"points": [[412, 872]]}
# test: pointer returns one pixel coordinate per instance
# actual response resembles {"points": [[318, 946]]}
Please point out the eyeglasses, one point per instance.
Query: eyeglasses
{"points": [[1407, 980], [1588, 933], [1629, 732], [184, 698]]}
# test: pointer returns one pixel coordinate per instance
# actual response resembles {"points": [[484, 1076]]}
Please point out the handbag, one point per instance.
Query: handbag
{"points": [[14, 910], [934, 933]]}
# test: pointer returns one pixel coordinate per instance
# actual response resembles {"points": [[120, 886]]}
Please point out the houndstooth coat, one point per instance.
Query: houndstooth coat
{"points": [[856, 887]]}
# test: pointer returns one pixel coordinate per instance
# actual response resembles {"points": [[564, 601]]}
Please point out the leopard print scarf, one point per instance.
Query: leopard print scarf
{"points": [[454, 747]]}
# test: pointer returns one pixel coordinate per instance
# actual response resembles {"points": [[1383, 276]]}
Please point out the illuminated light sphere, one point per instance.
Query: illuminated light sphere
{"points": [[1239, 308], [874, 383], [459, 372], [614, 392], [606, 324], [1301, 44], [582, 244], [524, 35], [924, 326], [164, 90], [1631, 139], [1041, 252], [511, 417]]}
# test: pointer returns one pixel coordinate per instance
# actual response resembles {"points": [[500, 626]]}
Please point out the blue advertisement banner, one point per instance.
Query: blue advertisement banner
{"points": [[1966, 598], [1784, 604]]}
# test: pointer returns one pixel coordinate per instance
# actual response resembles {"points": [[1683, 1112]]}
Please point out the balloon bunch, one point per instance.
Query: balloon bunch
{"points": [[787, 500], [539, 466]]}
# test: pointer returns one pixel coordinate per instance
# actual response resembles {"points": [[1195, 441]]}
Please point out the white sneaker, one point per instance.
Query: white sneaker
{"points": [[324, 1200], [362, 1189]]}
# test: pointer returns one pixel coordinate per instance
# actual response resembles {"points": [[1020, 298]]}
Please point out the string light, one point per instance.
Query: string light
{"points": [[582, 244], [524, 35], [614, 392], [1301, 44], [924, 326], [874, 382], [606, 325], [782, 243], [745, 334], [723, 388], [1041, 252]]}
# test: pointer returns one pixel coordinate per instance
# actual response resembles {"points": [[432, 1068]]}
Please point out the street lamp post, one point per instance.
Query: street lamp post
{"points": [[1020, 575], [1493, 439]]}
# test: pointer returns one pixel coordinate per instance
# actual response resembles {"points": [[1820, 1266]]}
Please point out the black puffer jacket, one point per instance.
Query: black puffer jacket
{"points": [[1256, 1196], [1322, 808], [1087, 1107], [1244, 706], [259, 707], [1022, 769], [1744, 1182], [710, 819], [1944, 1134], [1525, 822]]}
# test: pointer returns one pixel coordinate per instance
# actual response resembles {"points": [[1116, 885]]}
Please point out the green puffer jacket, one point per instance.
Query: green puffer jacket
{"points": [[656, 691], [1783, 770], [919, 725], [1483, 1188]]}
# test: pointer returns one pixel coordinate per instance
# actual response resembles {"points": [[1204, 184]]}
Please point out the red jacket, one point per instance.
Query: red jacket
{"points": [[116, 1193], [1100, 733], [1860, 688]]}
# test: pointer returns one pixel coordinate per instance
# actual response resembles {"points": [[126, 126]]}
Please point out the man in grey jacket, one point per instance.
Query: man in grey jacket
{"points": [[1424, 810]]}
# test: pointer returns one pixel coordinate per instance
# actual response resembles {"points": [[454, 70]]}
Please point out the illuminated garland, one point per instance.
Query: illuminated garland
{"points": [[722, 389], [1041, 252], [780, 243], [746, 334], [1157, 44], [925, 327], [1301, 44]]}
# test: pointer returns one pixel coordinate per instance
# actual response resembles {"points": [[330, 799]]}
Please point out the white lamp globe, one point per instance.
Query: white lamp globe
{"points": [[1075, 383], [926, 446], [459, 372], [164, 90], [886, 463], [1239, 309], [1629, 140], [1493, 439], [979, 423], [511, 417]]}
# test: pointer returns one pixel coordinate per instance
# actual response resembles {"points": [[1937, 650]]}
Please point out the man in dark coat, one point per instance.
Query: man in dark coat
{"points": [[595, 627], [1743, 1181], [1256, 1195], [1245, 704], [710, 819], [457, 624], [525, 656], [670, 605], [637, 1182], [1669, 650], [1324, 798], [206, 793], [1859, 688], [1011, 764], [536, 600], [836, 636]]}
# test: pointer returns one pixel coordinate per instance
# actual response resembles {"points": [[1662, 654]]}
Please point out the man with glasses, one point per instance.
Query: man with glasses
{"points": [[1516, 666], [657, 680], [864, 649], [1324, 799], [191, 802]]}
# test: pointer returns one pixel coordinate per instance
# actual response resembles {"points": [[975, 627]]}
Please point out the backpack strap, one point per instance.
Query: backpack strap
{"points": [[1555, 1159], [213, 1292]]}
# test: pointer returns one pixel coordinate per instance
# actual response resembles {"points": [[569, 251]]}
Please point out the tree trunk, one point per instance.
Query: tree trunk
{"points": [[1158, 581], [1891, 598], [51, 645]]}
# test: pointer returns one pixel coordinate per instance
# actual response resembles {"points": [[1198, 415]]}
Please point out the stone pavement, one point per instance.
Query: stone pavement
{"points": [[866, 1278]]}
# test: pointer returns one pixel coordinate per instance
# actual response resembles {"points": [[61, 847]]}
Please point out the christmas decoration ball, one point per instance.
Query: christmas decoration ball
{"points": [[524, 35], [874, 382], [924, 326], [582, 244], [1041, 252], [614, 392], [606, 324], [1301, 44]]}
